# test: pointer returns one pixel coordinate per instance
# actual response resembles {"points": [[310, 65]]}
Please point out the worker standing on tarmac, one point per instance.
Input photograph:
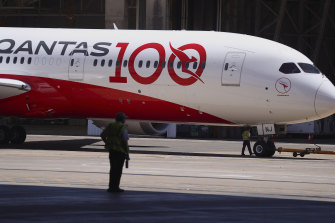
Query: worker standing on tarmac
{"points": [[116, 139], [246, 141]]}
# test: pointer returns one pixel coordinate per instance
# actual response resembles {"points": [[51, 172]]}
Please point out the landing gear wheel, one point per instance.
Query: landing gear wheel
{"points": [[271, 150], [295, 154], [4, 134], [263, 149], [18, 135], [260, 149]]}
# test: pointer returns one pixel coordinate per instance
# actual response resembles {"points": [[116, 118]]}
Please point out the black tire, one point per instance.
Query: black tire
{"points": [[4, 135], [271, 150], [260, 149], [295, 154], [18, 135]]}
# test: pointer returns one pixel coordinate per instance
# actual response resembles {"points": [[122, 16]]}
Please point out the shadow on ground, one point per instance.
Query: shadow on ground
{"points": [[83, 145], [60, 204]]}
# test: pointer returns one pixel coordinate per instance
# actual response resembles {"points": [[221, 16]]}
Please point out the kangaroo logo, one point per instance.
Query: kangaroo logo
{"points": [[185, 59], [283, 85]]}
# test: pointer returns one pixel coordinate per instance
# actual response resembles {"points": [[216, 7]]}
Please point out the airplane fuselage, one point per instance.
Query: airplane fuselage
{"points": [[166, 76]]}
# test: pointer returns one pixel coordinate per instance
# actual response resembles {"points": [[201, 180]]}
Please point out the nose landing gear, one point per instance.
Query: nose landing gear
{"points": [[264, 148]]}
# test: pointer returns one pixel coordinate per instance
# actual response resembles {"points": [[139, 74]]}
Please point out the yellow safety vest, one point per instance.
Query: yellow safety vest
{"points": [[114, 139], [245, 135]]}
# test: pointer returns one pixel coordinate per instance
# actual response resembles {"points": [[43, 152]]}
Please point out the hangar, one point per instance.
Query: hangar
{"points": [[306, 25]]}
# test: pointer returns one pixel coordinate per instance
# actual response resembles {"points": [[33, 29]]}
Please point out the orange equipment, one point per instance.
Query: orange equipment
{"points": [[303, 152]]}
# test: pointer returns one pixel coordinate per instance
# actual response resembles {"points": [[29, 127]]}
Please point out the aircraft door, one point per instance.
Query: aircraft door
{"points": [[232, 68], [76, 65]]}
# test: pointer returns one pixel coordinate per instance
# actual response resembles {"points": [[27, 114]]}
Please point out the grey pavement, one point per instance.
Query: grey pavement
{"points": [[64, 178]]}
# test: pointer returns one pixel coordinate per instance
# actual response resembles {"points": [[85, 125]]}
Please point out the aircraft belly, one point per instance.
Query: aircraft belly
{"points": [[59, 98]]}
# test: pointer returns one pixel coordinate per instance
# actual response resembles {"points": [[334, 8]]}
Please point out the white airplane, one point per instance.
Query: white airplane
{"points": [[212, 78]]}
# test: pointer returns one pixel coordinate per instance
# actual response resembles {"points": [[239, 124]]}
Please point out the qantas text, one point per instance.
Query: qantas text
{"points": [[100, 49]]}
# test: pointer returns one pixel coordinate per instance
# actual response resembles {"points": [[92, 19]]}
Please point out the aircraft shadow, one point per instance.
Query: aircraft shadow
{"points": [[22, 203], [67, 145], [321, 141], [83, 145], [219, 155], [62, 145]]}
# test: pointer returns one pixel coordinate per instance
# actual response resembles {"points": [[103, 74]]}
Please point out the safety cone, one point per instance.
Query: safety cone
{"points": [[309, 137]]}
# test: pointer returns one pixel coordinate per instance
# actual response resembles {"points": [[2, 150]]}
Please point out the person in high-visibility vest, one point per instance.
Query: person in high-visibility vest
{"points": [[246, 141], [116, 139]]}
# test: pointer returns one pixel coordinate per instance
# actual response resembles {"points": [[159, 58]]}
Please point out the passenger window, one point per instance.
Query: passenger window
{"points": [[58, 61], [7, 59], [140, 63], [171, 64], [179, 65], [156, 64], [195, 64], [51, 61], [15, 60], [187, 65], [0, 59], [95, 62], [226, 66], [203, 65], [289, 68], [148, 64], [72, 61], [117, 63], [110, 63], [125, 63], [163, 64], [29, 60], [102, 63], [309, 68]]}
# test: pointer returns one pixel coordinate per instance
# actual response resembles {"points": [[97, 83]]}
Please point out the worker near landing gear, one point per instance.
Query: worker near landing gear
{"points": [[116, 139], [246, 141]]}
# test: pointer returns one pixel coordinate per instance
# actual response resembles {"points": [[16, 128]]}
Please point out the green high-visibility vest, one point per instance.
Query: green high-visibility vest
{"points": [[245, 135], [114, 140]]}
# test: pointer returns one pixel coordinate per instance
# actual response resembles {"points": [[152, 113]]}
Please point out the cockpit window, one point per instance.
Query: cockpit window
{"points": [[289, 68], [309, 68]]}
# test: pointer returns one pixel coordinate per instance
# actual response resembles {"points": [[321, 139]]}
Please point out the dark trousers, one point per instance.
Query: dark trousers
{"points": [[246, 143], [116, 160]]}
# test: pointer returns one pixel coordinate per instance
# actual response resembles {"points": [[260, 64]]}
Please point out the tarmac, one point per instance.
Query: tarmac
{"points": [[64, 179]]}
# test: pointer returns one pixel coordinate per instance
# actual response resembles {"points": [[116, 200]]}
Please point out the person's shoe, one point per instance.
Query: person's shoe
{"points": [[118, 190], [242, 154], [250, 154]]}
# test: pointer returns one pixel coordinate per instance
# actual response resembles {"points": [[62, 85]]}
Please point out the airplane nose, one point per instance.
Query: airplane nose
{"points": [[325, 99]]}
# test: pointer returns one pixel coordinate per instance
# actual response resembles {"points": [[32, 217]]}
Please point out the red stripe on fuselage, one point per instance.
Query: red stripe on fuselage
{"points": [[63, 99]]}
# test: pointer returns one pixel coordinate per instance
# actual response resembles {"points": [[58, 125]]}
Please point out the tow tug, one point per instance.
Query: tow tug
{"points": [[306, 151]]}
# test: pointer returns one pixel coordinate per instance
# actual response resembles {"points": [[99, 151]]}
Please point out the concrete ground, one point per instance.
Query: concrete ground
{"points": [[64, 178]]}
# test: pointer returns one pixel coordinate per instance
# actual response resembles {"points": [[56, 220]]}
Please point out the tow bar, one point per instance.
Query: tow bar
{"points": [[303, 152]]}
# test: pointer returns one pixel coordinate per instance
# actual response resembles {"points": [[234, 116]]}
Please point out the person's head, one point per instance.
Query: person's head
{"points": [[120, 117]]}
